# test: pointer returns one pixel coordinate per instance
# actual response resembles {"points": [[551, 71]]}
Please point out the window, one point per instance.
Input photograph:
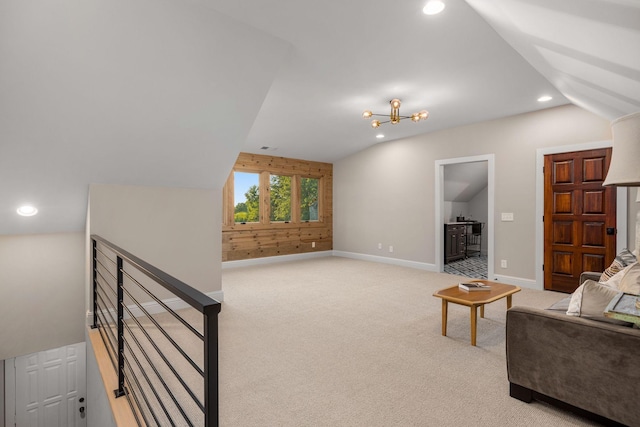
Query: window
{"points": [[265, 192], [309, 199], [280, 196], [246, 197]]}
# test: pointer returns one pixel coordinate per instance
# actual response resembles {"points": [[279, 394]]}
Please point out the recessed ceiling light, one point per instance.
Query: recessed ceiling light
{"points": [[433, 7], [27, 210], [379, 136], [545, 98]]}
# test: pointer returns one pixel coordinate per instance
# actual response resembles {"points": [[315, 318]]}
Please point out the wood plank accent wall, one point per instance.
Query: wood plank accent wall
{"points": [[256, 240]]}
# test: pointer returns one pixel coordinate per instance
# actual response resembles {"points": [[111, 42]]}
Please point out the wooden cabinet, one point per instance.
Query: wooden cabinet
{"points": [[455, 243]]}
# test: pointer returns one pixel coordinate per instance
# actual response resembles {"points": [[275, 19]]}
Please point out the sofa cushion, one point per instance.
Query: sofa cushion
{"points": [[623, 259]]}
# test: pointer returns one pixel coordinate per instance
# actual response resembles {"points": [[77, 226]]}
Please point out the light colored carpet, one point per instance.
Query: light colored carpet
{"points": [[341, 342]]}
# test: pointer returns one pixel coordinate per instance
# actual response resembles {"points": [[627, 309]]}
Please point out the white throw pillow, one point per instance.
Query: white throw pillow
{"points": [[575, 305], [591, 299], [630, 282], [615, 281], [576, 300]]}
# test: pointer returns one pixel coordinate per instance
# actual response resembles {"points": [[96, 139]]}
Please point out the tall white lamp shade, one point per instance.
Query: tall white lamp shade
{"points": [[624, 170]]}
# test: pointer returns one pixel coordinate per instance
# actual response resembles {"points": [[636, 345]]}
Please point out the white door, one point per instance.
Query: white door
{"points": [[50, 388]]}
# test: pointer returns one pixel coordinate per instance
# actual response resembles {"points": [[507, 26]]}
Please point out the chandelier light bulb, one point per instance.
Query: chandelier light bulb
{"points": [[415, 117], [375, 124], [367, 114], [395, 103], [424, 114]]}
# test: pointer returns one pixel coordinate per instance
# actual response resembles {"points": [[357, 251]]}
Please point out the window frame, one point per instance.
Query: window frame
{"points": [[264, 190]]}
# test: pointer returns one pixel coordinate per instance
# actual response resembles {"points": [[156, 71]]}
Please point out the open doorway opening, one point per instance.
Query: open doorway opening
{"points": [[464, 216]]}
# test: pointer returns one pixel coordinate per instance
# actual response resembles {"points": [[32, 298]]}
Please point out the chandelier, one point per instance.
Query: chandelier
{"points": [[395, 116]]}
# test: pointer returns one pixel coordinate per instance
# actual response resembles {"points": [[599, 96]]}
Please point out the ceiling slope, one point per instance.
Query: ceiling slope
{"points": [[136, 92], [589, 49], [351, 56]]}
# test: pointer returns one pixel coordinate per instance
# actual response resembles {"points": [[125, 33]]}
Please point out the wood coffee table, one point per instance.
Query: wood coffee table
{"points": [[474, 299]]}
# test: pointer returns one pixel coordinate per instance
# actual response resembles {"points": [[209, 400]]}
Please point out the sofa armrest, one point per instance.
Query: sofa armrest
{"points": [[588, 364], [591, 275]]}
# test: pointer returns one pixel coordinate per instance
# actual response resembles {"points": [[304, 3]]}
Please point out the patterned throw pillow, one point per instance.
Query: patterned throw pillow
{"points": [[623, 259]]}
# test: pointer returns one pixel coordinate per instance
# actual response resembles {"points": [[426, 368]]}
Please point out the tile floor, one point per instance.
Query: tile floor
{"points": [[475, 267]]}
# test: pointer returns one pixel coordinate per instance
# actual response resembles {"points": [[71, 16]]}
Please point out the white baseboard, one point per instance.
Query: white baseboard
{"points": [[386, 260], [274, 259], [517, 281]]}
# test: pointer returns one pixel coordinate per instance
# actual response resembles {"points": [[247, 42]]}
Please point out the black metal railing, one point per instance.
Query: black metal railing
{"points": [[161, 336]]}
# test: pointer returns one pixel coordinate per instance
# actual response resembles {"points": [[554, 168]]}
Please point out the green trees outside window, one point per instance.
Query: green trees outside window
{"points": [[309, 199], [286, 195], [280, 197], [246, 197]]}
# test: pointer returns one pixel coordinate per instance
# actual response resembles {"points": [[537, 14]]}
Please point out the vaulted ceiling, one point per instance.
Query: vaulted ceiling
{"points": [[166, 93]]}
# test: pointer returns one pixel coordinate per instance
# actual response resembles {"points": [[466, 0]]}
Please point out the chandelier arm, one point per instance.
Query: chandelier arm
{"points": [[387, 115]]}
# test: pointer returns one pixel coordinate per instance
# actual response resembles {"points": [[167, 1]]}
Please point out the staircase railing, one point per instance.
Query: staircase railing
{"points": [[165, 350]]}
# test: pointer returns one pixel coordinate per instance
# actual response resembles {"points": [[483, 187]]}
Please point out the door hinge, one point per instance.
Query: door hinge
{"points": [[542, 267]]}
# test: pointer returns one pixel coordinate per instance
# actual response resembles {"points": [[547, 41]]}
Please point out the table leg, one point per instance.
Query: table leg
{"points": [[474, 324], [482, 311], [444, 317], [509, 301]]}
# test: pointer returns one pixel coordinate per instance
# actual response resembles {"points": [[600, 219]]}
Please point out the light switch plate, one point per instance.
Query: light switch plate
{"points": [[507, 216]]}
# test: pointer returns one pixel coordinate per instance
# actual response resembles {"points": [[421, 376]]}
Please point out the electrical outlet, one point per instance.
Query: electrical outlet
{"points": [[503, 263], [379, 245], [313, 244], [390, 248]]}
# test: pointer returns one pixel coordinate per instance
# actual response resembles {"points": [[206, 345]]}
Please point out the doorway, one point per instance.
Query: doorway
{"points": [[621, 203], [47, 388], [467, 204], [579, 217]]}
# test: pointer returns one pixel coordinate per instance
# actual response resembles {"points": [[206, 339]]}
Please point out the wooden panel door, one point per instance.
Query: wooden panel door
{"points": [[579, 217]]}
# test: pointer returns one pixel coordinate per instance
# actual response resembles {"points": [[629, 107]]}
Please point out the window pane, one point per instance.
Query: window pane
{"points": [[309, 199], [280, 198], [246, 197]]}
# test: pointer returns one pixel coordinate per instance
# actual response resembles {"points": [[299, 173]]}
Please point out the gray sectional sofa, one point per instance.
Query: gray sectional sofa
{"points": [[584, 363]]}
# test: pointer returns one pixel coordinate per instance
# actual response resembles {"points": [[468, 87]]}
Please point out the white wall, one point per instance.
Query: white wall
{"points": [[42, 292], [452, 210], [176, 230], [386, 193], [99, 413]]}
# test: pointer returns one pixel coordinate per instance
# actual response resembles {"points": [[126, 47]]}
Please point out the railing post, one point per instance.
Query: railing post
{"points": [[121, 390], [94, 296], [211, 413]]}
